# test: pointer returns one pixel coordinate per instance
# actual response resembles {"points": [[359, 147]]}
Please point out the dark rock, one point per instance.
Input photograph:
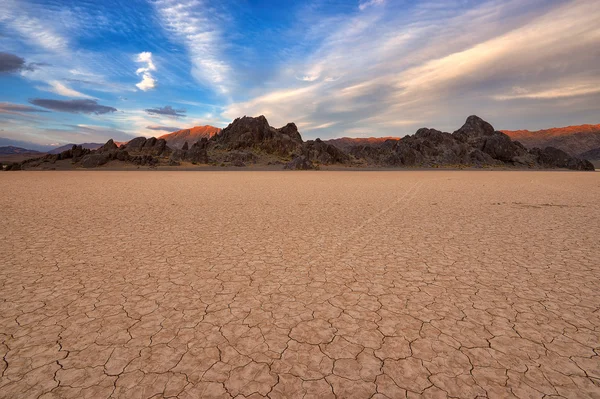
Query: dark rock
{"points": [[94, 160], [185, 146], [323, 153], [172, 162], [109, 146], [499, 146], [473, 129], [240, 157], [136, 144], [151, 146], [551, 157], [299, 163], [255, 133], [13, 166]]}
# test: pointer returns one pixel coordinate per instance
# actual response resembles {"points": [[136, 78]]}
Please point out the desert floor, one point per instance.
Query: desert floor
{"points": [[300, 284]]}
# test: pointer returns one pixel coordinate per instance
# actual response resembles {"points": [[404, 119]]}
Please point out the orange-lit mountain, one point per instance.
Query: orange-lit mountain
{"points": [[178, 138], [571, 139], [344, 143]]}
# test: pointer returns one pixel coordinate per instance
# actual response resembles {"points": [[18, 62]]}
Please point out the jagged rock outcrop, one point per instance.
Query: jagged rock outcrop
{"points": [[323, 153], [476, 143], [109, 146], [198, 153], [256, 133], [151, 146]]}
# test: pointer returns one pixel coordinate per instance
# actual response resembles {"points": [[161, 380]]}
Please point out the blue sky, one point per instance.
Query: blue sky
{"points": [[86, 71]]}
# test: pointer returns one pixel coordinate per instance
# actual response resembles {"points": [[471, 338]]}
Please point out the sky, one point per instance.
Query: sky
{"points": [[74, 71]]}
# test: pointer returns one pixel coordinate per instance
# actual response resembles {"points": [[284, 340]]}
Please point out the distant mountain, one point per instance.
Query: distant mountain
{"points": [[574, 140], [591, 155], [89, 146], [177, 139], [345, 143], [25, 144], [11, 150]]}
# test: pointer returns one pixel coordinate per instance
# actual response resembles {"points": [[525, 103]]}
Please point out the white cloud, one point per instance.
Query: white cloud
{"points": [[192, 25], [59, 88], [363, 5], [396, 72], [148, 82]]}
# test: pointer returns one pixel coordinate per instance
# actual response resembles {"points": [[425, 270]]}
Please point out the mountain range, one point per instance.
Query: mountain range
{"points": [[252, 141], [11, 150], [574, 140], [582, 141]]}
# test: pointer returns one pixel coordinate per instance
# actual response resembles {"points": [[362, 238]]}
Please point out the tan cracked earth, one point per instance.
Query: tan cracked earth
{"points": [[300, 284]]}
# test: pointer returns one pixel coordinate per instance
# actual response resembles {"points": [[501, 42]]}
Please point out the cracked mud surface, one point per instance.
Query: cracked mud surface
{"points": [[300, 285]]}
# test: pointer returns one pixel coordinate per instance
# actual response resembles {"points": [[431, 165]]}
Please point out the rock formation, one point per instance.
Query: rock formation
{"points": [[249, 140], [255, 133]]}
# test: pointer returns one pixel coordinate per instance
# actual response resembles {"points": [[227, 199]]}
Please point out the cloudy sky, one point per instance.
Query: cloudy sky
{"points": [[87, 70]]}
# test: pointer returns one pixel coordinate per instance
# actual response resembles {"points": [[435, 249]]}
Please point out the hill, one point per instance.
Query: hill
{"points": [[11, 150], [574, 140], [179, 138]]}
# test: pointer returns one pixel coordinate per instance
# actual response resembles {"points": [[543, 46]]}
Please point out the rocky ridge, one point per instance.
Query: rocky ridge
{"points": [[251, 140]]}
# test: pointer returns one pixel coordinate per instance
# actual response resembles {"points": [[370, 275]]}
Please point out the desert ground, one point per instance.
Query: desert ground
{"points": [[320, 284]]}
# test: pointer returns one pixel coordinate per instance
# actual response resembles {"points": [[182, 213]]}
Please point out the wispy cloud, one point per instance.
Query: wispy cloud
{"points": [[197, 29], [364, 4], [36, 31], [11, 108], [389, 73], [148, 82], [61, 89]]}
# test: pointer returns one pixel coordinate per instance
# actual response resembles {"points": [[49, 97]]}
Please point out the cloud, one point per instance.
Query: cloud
{"points": [[39, 32], [193, 25], [553, 93], [163, 128], [363, 5], [148, 82], [10, 63], [167, 110], [73, 106], [11, 108], [396, 71], [55, 86]]}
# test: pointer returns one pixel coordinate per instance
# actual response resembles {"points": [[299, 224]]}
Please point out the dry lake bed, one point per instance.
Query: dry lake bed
{"points": [[320, 284]]}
